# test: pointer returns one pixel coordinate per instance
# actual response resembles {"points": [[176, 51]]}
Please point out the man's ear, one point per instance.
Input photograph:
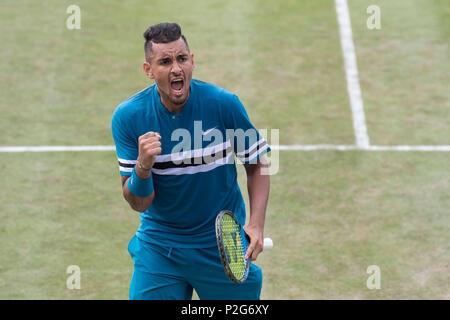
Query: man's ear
{"points": [[147, 66]]}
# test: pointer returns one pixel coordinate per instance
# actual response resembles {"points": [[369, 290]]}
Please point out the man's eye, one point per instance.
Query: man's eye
{"points": [[182, 58], [165, 61]]}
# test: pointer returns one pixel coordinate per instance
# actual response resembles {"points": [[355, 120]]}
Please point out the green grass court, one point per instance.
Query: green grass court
{"points": [[331, 213]]}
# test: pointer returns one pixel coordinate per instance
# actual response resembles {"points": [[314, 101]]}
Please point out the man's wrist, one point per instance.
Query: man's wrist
{"points": [[257, 220], [142, 171], [140, 186], [142, 167]]}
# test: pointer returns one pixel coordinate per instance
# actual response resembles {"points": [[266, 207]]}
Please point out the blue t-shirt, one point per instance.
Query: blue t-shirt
{"points": [[195, 175]]}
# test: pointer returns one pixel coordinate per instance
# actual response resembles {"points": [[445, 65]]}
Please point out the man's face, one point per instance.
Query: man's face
{"points": [[171, 66]]}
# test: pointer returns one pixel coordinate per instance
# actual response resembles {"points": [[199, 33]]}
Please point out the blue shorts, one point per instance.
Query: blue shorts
{"points": [[161, 273]]}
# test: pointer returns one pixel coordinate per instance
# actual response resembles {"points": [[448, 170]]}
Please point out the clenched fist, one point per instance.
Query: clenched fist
{"points": [[149, 147]]}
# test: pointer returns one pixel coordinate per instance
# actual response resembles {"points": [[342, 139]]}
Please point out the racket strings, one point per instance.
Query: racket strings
{"points": [[235, 247]]}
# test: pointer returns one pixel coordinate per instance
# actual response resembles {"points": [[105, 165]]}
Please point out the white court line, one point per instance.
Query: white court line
{"points": [[294, 147], [368, 148], [56, 148], [409, 148], [351, 72]]}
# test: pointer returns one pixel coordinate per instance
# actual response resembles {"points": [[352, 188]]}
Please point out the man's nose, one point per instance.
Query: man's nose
{"points": [[176, 67]]}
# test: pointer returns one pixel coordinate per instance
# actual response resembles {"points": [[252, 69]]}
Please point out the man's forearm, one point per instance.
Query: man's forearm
{"points": [[138, 203], [258, 186]]}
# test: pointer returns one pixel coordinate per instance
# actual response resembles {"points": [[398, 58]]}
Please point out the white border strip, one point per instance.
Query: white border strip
{"points": [[351, 72], [294, 147]]}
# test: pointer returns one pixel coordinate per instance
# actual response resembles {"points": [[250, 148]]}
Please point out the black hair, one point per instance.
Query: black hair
{"points": [[162, 33]]}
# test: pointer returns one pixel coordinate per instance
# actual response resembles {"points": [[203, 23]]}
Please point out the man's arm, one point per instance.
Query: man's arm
{"points": [[149, 147], [258, 185], [136, 203]]}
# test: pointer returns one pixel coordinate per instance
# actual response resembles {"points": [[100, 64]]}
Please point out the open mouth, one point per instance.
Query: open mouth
{"points": [[177, 86]]}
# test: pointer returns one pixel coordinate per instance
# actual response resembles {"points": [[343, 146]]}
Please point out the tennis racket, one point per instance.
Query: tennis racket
{"points": [[232, 243]]}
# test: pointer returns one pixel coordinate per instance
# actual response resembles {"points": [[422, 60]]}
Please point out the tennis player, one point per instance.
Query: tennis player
{"points": [[176, 141]]}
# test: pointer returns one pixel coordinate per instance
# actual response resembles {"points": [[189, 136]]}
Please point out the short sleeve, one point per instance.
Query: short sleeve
{"points": [[248, 144], [127, 149]]}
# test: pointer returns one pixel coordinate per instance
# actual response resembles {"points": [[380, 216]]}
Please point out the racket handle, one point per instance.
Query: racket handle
{"points": [[268, 243]]}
